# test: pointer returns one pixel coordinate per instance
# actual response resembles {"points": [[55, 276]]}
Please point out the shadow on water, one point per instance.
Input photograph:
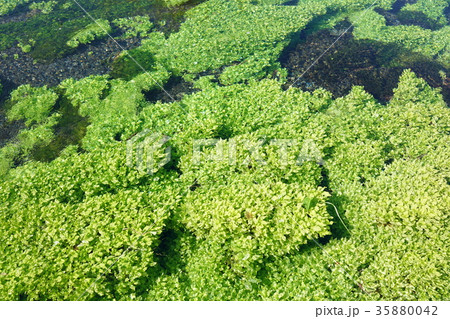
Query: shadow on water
{"points": [[176, 87], [70, 130], [291, 3], [7, 129], [399, 4]]}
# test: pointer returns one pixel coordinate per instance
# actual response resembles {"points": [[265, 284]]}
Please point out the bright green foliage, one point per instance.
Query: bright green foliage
{"points": [[226, 222], [425, 115], [205, 82], [26, 46], [96, 30], [246, 37], [253, 159], [7, 155], [46, 6], [397, 212], [52, 31], [409, 195], [250, 222], [31, 104], [7, 6], [409, 268], [136, 61], [434, 10], [389, 264], [39, 135], [27, 140], [220, 32], [229, 111], [83, 212], [171, 3], [87, 92], [424, 41], [255, 67], [111, 105], [239, 211], [263, 2], [134, 26], [398, 221]]}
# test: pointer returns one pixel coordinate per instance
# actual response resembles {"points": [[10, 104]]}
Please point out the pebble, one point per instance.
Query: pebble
{"points": [[77, 65]]}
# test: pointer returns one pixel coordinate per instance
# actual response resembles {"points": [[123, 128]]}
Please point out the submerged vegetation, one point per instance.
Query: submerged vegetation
{"points": [[134, 26], [271, 193], [96, 30]]}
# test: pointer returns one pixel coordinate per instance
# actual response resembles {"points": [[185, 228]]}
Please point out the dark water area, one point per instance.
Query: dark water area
{"points": [[399, 4], [350, 62], [91, 59], [8, 130], [176, 87]]}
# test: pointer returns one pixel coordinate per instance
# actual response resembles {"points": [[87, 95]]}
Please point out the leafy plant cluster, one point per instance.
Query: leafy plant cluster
{"points": [[356, 210], [214, 228], [6, 6], [242, 40], [67, 217], [66, 20], [31, 104], [26, 46], [414, 38], [34, 107], [434, 11], [109, 104], [244, 36], [134, 26], [171, 3], [45, 7], [96, 30]]}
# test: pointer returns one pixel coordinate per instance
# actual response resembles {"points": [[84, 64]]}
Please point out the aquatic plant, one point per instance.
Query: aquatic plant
{"points": [[386, 166], [27, 140], [236, 223], [171, 3], [115, 114], [424, 41], [245, 38], [218, 33], [82, 201], [31, 104], [66, 20], [134, 26], [99, 29], [259, 176], [433, 10], [26, 46], [45, 7], [7, 6]]}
